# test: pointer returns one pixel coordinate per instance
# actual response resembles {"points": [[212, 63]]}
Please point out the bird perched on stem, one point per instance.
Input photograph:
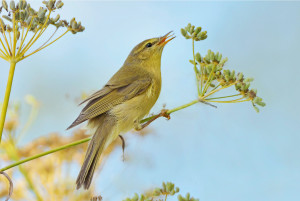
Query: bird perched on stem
{"points": [[120, 105]]}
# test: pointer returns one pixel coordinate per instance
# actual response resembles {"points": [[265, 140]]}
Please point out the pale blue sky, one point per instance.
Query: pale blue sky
{"points": [[225, 154]]}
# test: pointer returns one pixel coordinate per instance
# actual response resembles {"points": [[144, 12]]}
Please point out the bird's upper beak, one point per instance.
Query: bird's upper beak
{"points": [[166, 38]]}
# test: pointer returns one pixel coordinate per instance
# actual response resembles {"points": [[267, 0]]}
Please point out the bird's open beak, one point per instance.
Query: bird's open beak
{"points": [[166, 38]]}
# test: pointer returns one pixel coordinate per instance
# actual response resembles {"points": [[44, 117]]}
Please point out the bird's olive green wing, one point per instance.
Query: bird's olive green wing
{"points": [[121, 78], [105, 90], [118, 94]]}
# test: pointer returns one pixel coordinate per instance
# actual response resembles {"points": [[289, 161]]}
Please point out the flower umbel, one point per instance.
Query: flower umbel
{"points": [[21, 26], [212, 78]]}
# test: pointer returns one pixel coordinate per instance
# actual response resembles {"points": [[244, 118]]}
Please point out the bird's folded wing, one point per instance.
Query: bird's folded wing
{"points": [[105, 90], [121, 78], [99, 105]]}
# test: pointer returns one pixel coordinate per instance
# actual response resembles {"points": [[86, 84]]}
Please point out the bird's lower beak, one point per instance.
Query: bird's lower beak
{"points": [[166, 38]]}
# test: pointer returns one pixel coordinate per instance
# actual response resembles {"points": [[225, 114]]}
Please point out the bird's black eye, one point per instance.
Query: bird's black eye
{"points": [[149, 45]]}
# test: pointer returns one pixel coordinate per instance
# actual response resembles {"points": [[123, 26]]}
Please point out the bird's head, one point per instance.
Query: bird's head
{"points": [[150, 49]]}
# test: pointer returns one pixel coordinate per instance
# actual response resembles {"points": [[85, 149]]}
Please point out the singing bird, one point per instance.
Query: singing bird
{"points": [[120, 105]]}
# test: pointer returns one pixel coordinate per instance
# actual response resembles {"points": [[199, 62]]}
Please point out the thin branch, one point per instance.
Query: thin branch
{"points": [[195, 69], [38, 36], [23, 40], [222, 97], [10, 40], [44, 46], [212, 92], [216, 87], [202, 73], [22, 36], [164, 113], [15, 34], [3, 57], [4, 47], [47, 40], [239, 100], [46, 153], [11, 185], [23, 51], [206, 103], [209, 80], [4, 35]]}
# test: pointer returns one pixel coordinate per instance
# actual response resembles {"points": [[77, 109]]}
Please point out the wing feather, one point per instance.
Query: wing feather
{"points": [[106, 101]]}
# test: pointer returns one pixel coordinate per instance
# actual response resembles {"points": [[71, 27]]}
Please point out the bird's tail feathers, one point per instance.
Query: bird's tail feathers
{"points": [[96, 146]]}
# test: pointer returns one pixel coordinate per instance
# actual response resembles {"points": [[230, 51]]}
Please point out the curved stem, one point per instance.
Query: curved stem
{"points": [[48, 39], [6, 97], [11, 185]]}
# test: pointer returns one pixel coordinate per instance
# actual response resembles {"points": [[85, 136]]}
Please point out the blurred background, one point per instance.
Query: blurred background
{"points": [[224, 154]]}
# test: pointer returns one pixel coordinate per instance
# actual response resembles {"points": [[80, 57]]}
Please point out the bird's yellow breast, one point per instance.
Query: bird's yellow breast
{"points": [[135, 109]]}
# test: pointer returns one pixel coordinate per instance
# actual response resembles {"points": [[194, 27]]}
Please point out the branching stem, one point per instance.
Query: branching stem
{"points": [[43, 47]]}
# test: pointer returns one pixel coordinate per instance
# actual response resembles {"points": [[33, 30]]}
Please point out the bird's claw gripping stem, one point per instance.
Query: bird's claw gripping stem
{"points": [[163, 113]]}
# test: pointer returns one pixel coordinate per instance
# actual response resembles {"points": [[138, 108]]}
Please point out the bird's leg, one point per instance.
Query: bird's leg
{"points": [[163, 113], [123, 146]]}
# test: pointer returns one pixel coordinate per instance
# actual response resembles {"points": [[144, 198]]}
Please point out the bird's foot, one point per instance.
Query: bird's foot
{"points": [[138, 126]]}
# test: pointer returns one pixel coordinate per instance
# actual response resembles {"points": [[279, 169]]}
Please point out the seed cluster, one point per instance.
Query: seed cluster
{"points": [[190, 32], [27, 17], [168, 189], [210, 73]]}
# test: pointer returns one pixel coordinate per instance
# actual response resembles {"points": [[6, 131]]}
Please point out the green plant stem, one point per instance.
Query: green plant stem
{"points": [[222, 97], [46, 153], [87, 139], [183, 106], [195, 68], [172, 110], [6, 97], [209, 80]]}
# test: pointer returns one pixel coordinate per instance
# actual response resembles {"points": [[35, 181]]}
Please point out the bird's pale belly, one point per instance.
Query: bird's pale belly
{"points": [[134, 110]]}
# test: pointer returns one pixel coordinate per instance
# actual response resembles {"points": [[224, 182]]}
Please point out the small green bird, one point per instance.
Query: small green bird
{"points": [[120, 105]]}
